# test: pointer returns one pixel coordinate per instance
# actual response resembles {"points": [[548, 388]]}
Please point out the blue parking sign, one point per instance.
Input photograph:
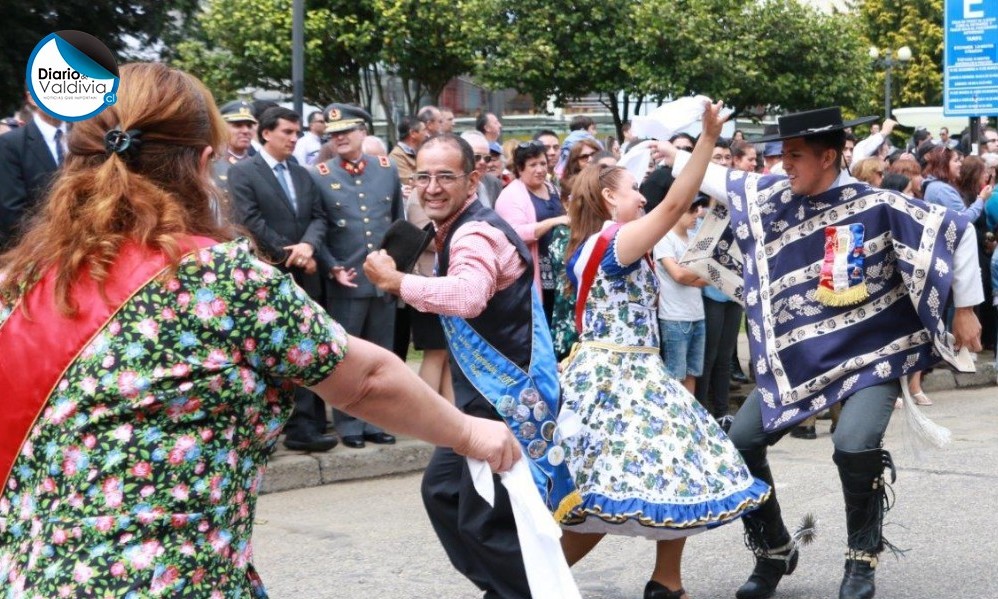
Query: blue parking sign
{"points": [[970, 65]]}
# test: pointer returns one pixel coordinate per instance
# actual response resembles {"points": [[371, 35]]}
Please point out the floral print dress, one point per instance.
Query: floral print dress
{"points": [[139, 477], [649, 460]]}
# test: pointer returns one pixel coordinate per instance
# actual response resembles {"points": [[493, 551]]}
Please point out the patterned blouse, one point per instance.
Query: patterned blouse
{"points": [[139, 477]]}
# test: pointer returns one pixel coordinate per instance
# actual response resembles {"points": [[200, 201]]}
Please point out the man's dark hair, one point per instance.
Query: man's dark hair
{"points": [[426, 114], [684, 136], [850, 136], [467, 154], [544, 132], [722, 142], [268, 120], [830, 140], [481, 121], [580, 122], [313, 114], [258, 107], [406, 125]]}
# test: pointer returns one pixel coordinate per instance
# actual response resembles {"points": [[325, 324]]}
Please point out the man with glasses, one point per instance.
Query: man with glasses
{"points": [[489, 186], [483, 291], [552, 147], [362, 195], [989, 142], [310, 143]]}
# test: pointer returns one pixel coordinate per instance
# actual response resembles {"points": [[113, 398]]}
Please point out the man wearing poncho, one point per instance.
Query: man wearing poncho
{"points": [[846, 288]]}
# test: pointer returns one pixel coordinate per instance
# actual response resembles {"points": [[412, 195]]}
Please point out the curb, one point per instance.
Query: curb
{"points": [[288, 470]]}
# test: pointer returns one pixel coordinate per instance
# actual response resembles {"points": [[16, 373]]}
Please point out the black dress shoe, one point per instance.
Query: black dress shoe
{"points": [[804, 432], [354, 441], [857, 582], [314, 443], [655, 590], [380, 438]]}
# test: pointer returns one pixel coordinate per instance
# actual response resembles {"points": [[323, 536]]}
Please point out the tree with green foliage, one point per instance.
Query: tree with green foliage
{"points": [[917, 24]]}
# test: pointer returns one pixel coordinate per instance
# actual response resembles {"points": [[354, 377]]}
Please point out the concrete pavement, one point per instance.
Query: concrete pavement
{"points": [[296, 470]]}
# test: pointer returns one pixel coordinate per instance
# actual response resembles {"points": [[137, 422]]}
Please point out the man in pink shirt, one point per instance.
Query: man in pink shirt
{"points": [[485, 280]]}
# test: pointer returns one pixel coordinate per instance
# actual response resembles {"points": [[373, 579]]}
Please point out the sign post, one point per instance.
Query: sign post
{"points": [[970, 66]]}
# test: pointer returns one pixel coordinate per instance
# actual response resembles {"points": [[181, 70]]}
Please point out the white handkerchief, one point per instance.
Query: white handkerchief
{"points": [[636, 160], [548, 573], [669, 119]]}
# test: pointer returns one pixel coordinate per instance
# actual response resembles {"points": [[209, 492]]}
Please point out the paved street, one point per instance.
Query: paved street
{"points": [[371, 538]]}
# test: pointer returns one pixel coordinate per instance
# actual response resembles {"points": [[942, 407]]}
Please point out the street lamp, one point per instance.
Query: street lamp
{"points": [[888, 61]]}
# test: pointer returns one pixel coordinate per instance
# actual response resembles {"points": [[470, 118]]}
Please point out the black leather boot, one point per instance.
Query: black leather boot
{"points": [[864, 490], [767, 537]]}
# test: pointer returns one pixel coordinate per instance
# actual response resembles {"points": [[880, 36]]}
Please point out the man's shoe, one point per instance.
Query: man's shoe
{"points": [[857, 582], [354, 442], [804, 432], [315, 443], [767, 574], [380, 438]]}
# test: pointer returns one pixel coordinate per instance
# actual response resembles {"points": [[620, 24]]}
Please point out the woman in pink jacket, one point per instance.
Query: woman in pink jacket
{"points": [[532, 206]]}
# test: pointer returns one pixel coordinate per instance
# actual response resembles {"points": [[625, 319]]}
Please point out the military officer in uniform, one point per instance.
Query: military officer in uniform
{"points": [[238, 116], [362, 196]]}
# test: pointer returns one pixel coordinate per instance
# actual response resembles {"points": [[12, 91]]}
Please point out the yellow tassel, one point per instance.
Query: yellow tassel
{"points": [[856, 294], [567, 504]]}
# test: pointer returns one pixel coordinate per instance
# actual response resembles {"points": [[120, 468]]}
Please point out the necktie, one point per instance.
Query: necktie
{"points": [[279, 169], [60, 154]]}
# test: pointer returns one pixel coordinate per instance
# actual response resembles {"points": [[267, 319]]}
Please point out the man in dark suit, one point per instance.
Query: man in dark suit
{"points": [[29, 156], [278, 202], [362, 197]]}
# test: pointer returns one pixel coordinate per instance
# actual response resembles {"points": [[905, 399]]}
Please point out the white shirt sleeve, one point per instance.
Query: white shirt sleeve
{"points": [[714, 181], [867, 147], [967, 287]]}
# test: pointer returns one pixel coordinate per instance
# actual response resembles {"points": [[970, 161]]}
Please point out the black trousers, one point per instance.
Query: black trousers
{"points": [[479, 539]]}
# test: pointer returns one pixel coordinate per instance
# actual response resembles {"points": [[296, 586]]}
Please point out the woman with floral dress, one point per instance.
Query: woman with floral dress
{"points": [[148, 362], [649, 460]]}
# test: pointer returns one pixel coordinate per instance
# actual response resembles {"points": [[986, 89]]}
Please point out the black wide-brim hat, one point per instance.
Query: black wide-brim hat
{"points": [[405, 242], [812, 122]]}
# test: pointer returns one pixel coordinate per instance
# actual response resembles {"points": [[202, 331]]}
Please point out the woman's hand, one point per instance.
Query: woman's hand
{"points": [[490, 441], [664, 151]]}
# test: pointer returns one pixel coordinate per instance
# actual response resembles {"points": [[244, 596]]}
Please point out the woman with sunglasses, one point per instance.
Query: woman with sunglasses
{"points": [[533, 207], [149, 364], [648, 460]]}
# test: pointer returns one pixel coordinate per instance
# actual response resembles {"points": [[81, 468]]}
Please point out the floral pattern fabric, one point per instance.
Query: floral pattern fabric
{"points": [[563, 331], [139, 478], [649, 460]]}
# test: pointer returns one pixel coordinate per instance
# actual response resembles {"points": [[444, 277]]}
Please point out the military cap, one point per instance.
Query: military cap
{"points": [[341, 117], [237, 111]]}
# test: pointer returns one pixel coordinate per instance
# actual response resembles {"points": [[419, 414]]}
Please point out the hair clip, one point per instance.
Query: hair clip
{"points": [[122, 142]]}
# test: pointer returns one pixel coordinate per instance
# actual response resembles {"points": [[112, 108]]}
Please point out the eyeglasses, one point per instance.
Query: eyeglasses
{"points": [[486, 158], [586, 157], [423, 180]]}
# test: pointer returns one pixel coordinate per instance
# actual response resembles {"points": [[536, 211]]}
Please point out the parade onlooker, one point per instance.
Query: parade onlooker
{"points": [[277, 201], [976, 180], [490, 126], [942, 172], [680, 303], [909, 168], [579, 157], [446, 120], [432, 118], [869, 170], [362, 197], [533, 207], [160, 367], [374, 146], [29, 157], [648, 460], [308, 146], [412, 132], [489, 187]]}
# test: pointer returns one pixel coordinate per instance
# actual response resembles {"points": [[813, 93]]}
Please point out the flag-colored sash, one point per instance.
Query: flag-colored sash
{"points": [[527, 401], [38, 346]]}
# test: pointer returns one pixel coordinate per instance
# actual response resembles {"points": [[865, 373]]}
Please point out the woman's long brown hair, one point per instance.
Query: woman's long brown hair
{"points": [[102, 199], [587, 210]]}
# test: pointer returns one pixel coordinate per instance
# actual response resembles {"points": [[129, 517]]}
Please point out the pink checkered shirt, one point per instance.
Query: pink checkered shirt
{"points": [[482, 263]]}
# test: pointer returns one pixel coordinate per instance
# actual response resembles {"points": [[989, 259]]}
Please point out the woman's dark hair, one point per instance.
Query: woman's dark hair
{"points": [[969, 183], [895, 182], [937, 163], [524, 152]]}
